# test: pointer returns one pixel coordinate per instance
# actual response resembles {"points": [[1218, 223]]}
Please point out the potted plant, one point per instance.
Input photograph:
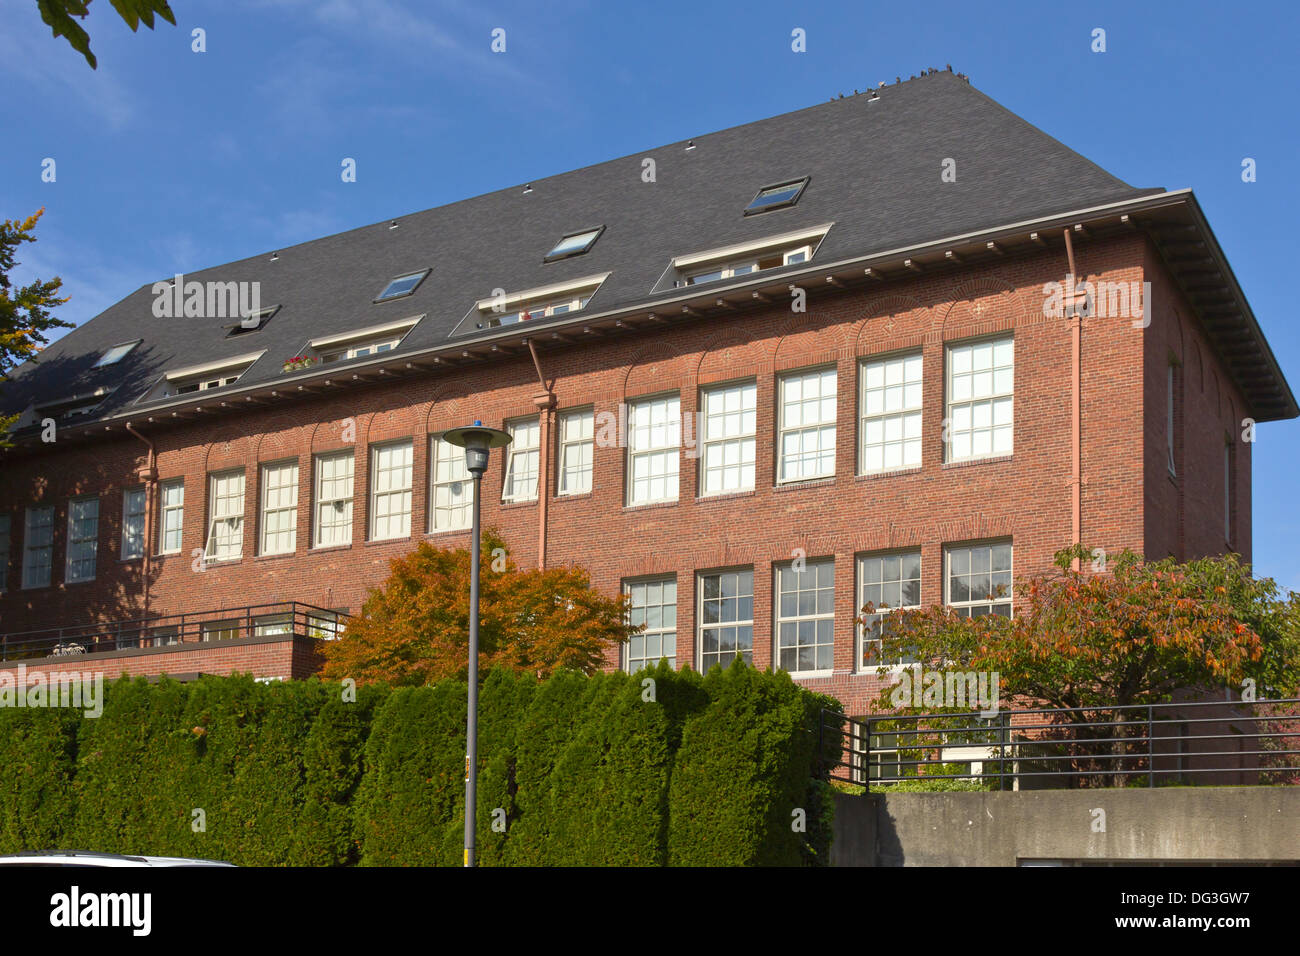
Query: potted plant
{"points": [[298, 362]]}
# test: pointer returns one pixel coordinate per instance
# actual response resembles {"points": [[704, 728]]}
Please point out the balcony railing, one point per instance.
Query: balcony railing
{"points": [[1147, 745], [286, 619]]}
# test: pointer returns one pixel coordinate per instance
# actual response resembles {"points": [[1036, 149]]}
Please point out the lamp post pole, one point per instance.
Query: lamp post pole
{"points": [[478, 442]]}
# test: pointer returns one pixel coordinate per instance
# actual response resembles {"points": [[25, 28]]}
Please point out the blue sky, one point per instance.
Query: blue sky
{"points": [[170, 160]]}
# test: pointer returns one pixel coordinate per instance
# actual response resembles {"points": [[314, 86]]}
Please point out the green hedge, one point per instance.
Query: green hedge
{"points": [[660, 767]]}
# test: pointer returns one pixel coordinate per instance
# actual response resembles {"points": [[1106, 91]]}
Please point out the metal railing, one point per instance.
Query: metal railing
{"points": [[1174, 744], [287, 618]]}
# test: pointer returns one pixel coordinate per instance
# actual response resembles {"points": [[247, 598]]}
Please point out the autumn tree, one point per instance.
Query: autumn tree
{"points": [[1100, 643], [414, 629], [24, 310], [1132, 635], [58, 16]]}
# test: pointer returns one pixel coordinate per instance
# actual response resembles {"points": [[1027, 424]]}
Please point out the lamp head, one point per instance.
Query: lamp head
{"points": [[478, 441]]}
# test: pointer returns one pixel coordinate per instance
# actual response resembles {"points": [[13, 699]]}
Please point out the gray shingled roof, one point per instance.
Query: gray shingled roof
{"points": [[875, 168]]}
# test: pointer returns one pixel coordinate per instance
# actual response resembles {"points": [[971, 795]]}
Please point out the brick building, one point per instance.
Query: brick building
{"points": [[830, 337]]}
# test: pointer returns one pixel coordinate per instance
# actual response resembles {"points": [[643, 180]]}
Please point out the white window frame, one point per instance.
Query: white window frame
{"points": [[890, 408], [866, 591], [6, 541], [273, 625], [965, 608], [822, 428], [228, 630], [38, 546], [748, 258], [729, 424], [817, 617], [654, 438], [577, 452], [708, 658], [391, 481], [278, 484], [523, 460], [83, 543], [660, 630], [972, 413], [225, 537], [166, 512], [133, 543], [451, 488], [333, 493]]}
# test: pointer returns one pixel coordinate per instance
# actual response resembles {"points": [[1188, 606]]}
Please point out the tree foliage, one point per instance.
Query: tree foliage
{"points": [[24, 310], [1132, 635], [414, 629], [58, 15]]}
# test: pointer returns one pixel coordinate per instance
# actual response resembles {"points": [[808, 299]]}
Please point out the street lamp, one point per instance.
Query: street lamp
{"points": [[478, 442]]}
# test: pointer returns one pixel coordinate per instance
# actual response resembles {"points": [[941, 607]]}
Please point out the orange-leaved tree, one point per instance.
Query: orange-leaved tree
{"points": [[1133, 634], [414, 629]]}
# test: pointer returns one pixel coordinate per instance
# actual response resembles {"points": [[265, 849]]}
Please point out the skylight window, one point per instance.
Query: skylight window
{"points": [[402, 285], [574, 244], [115, 354], [253, 321], [777, 197]]}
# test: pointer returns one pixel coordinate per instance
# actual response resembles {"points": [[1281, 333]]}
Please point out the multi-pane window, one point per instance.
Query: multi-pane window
{"points": [[324, 625], [221, 630], [805, 617], [981, 378], [887, 582], [979, 579], [333, 520], [654, 435], [280, 507], [272, 625], [172, 518], [577, 446], [890, 426], [654, 604], [362, 349], [726, 618], [83, 539], [133, 500], [4, 552], [729, 428], [807, 425], [38, 547], [452, 504], [226, 516], [522, 457], [390, 491]]}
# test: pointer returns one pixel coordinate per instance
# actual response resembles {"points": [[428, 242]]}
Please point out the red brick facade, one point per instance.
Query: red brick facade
{"points": [[1128, 496]]}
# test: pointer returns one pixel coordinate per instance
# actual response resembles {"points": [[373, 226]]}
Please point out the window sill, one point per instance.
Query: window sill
{"points": [[69, 584], [571, 496], [275, 557], [742, 493], [970, 462], [812, 675], [651, 505], [221, 562], [380, 542], [889, 472], [517, 503], [439, 532], [317, 549], [804, 483], [138, 557], [891, 670]]}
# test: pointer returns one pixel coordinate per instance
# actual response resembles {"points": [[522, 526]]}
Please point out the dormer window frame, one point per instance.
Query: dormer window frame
{"points": [[749, 258], [362, 343], [73, 405], [539, 302], [208, 376]]}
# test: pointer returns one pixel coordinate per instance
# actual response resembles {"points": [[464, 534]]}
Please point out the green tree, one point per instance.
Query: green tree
{"points": [[58, 15], [24, 310]]}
